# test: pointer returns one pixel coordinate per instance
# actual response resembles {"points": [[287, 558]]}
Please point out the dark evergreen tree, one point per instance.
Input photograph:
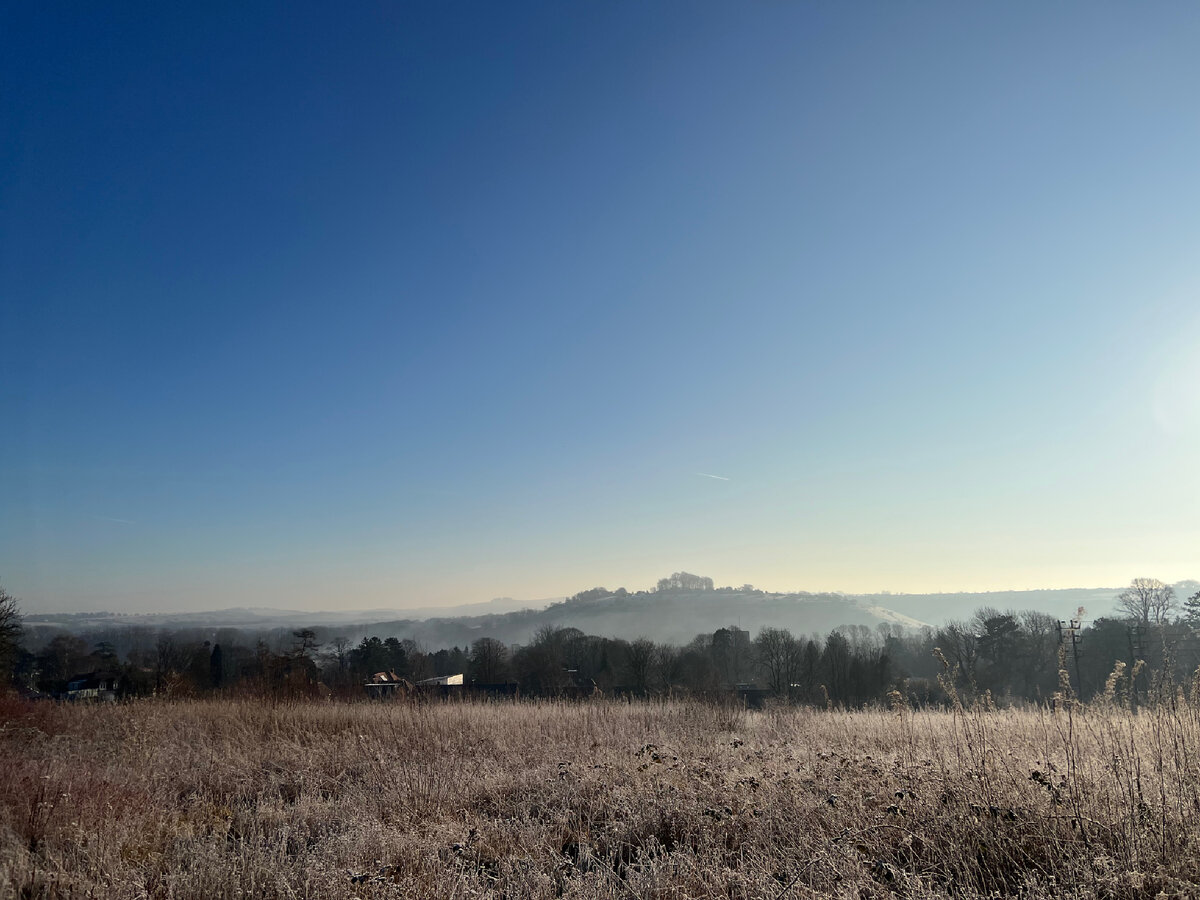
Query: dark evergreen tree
{"points": [[216, 667]]}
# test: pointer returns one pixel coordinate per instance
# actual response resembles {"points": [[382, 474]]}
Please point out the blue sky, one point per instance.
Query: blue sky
{"points": [[409, 304]]}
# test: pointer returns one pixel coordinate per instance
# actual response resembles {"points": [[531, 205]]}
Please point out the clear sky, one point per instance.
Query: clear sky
{"points": [[354, 305]]}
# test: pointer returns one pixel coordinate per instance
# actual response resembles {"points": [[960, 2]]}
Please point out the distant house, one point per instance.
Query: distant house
{"points": [[93, 686], [441, 680], [388, 684]]}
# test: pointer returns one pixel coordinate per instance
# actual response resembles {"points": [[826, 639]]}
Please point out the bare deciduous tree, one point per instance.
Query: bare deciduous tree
{"points": [[959, 642], [1147, 600], [779, 656], [489, 661], [641, 656], [10, 633]]}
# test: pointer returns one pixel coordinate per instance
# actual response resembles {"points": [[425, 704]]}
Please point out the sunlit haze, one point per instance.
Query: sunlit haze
{"points": [[326, 306]]}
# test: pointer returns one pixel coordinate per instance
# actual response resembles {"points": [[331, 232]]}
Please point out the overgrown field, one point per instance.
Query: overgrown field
{"points": [[595, 799]]}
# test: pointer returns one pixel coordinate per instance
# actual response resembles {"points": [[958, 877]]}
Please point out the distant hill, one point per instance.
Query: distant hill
{"points": [[268, 617], [671, 615], [674, 616], [937, 609]]}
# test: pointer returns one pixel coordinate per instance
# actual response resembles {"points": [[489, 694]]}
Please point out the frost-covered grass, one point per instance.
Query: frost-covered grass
{"points": [[595, 799]]}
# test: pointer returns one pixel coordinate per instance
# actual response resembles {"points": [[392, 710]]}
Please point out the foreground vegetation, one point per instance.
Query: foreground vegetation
{"points": [[223, 798]]}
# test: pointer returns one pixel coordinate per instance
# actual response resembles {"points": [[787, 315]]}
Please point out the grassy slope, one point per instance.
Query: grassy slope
{"points": [[213, 799]]}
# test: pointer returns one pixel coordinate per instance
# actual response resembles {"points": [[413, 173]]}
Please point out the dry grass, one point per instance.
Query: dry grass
{"points": [[237, 799]]}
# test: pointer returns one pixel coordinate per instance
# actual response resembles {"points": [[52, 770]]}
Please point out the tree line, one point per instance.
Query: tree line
{"points": [[1006, 656]]}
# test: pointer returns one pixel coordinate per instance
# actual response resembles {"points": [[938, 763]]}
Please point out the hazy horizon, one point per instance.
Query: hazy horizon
{"points": [[416, 306], [539, 602]]}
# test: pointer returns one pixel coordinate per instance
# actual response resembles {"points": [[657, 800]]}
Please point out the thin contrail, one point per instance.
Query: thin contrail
{"points": [[718, 477]]}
